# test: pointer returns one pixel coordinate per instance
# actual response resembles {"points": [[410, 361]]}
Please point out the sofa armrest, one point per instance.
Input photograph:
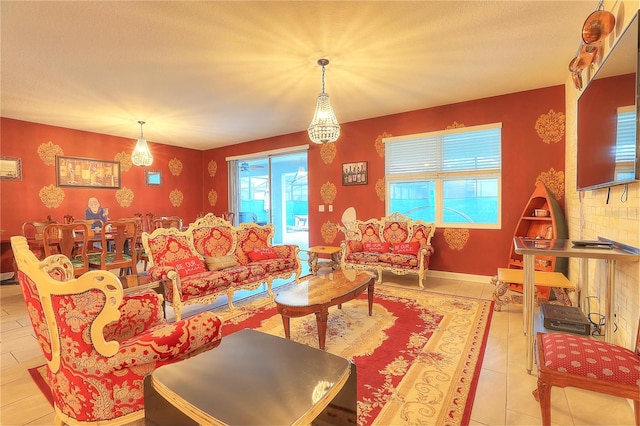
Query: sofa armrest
{"points": [[167, 273], [286, 251], [138, 312]]}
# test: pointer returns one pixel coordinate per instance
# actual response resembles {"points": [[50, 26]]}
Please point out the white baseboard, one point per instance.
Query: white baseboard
{"points": [[459, 276]]}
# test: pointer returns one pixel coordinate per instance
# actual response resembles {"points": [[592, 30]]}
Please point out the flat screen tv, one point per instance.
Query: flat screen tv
{"points": [[607, 118]]}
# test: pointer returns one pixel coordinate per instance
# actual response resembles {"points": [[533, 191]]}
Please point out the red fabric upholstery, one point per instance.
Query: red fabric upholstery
{"points": [[189, 266], [395, 232], [406, 248], [369, 231], [376, 247], [262, 253], [213, 241]]}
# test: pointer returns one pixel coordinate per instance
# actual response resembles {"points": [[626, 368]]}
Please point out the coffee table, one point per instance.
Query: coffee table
{"points": [[334, 262], [316, 294]]}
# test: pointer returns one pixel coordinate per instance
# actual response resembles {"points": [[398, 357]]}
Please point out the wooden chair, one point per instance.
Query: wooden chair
{"points": [[228, 216], [140, 252], [71, 240], [120, 253], [34, 233], [148, 222], [68, 218], [582, 362], [168, 222]]}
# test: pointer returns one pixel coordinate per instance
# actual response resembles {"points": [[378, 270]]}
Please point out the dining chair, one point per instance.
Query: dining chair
{"points": [[148, 222], [228, 216], [117, 241], [140, 252], [68, 218], [33, 231], [168, 222], [71, 240]]}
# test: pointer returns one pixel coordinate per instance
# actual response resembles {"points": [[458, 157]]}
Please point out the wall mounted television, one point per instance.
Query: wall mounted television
{"points": [[607, 118]]}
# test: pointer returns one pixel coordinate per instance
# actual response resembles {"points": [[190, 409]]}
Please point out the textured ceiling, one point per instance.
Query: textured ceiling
{"points": [[207, 74]]}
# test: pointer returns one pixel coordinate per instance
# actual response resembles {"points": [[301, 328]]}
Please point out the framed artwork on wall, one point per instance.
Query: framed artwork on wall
{"points": [[87, 173], [11, 168], [152, 178], [354, 173]]}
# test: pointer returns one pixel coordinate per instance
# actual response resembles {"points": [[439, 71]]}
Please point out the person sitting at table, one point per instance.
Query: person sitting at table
{"points": [[100, 214]]}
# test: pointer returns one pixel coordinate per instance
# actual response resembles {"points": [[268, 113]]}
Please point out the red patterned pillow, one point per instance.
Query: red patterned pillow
{"points": [[189, 266], [262, 253], [376, 247], [407, 248]]}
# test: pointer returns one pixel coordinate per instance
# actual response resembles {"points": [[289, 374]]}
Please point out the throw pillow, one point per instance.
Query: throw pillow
{"points": [[376, 247], [189, 266], [222, 262], [407, 248], [262, 253]]}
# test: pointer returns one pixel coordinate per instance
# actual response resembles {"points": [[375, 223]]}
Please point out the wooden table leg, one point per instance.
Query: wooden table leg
{"points": [[286, 322], [370, 290], [313, 262], [321, 321]]}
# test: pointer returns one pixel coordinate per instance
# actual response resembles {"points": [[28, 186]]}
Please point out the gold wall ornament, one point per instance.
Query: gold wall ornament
{"points": [[328, 152], [550, 126], [379, 145], [212, 167], [380, 188], [329, 232], [175, 166], [554, 181], [456, 238], [124, 196], [51, 196], [328, 192], [125, 161], [176, 197], [48, 151], [455, 125], [213, 197]]}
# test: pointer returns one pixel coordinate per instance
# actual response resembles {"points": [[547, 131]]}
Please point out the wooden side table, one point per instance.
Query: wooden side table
{"points": [[314, 252]]}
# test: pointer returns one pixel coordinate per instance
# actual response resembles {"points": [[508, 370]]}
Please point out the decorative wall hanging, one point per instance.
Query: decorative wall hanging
{"points": [[550, 126], [124, 196], [125, 161], [328, 192], [212, 197], [48, 153], [152, 178], [175, 166], [554, 181], [212, 167], [380, 188], [329, 232], [176, 197], [379, 145], [87, 172], [455, 125], [328, 152], [51, 196], [354, 173], [11, 168], [456, 238]]}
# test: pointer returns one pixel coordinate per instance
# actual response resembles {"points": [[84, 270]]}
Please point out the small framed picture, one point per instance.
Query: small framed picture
{"points": [[11, 168], [355, 173]]}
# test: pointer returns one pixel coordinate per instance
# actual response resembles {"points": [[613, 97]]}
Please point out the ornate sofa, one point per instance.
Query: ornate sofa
{"points": [[235, 257], [98, 343], [393, 243]]}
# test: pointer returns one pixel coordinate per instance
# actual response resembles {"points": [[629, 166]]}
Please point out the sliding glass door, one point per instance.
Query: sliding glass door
{"points": [[273, 189]]}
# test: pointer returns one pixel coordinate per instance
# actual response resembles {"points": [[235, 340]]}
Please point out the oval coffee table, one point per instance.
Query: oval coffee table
{"points": [[317, 293]]}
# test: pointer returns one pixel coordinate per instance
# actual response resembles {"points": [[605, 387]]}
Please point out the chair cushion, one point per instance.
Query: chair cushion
{"points": [[588, 357], [189, 266], [407, 248], [220, 262], [377, 247], [262, 253]]}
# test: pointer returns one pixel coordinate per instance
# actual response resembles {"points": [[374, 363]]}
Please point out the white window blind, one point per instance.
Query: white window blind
{"points": [[626, 136]]}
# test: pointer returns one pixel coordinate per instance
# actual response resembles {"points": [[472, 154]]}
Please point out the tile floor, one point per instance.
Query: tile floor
{"points": [[503, 395]]}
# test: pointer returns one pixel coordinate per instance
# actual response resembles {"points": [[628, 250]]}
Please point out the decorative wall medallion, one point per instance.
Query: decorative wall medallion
{"points": [[125, 161], [455, 125], [51, 196], [554, 181], [175, 166], [550, 126], [328, 152], [176, 197], [212, 167], [380, 188], [328, 192], [48, 151], [213, 197], [456, 238], [379, 145], [124, 196], [329, 232]]}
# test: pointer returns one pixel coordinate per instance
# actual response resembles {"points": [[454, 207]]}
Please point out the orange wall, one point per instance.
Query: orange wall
{"points": [[526, 157]]}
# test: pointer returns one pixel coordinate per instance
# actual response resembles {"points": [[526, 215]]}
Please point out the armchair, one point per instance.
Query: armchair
{"points": [[100, 344]]}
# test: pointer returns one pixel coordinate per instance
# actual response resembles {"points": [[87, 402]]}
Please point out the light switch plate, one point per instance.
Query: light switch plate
{"points": [[321, 208]]}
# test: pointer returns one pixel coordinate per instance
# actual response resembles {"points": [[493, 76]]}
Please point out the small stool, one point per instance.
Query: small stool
{"points": [[542, 278]]}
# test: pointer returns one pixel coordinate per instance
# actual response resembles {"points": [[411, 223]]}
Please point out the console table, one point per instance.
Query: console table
{"points": [[529, 248]]}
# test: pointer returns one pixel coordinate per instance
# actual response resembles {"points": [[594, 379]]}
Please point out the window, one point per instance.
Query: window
{"points": [[450, 177], [625, 143]]}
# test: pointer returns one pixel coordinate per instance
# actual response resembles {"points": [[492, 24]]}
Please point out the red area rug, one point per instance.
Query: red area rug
{"points": [[418, 357], [39, 375]]}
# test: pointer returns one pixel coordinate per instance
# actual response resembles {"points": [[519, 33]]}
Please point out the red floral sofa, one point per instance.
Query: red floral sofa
{"points": [[99, 344], [393, 243], [213, 257]]}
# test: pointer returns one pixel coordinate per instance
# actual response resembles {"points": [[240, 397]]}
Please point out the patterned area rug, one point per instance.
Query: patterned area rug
{"points": [[418, 357]]}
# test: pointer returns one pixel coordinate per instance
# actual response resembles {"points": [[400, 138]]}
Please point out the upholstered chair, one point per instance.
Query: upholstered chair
{"points": [[569, 360], [99, 344]]}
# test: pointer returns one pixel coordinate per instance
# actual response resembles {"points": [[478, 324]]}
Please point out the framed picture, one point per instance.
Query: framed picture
{"points": [[87, 172], [152, 177], [354, 173], [11, 168]]}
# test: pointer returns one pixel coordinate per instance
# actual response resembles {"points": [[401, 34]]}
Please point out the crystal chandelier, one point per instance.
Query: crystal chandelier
{"points": [[324, 127], [141, 156]]}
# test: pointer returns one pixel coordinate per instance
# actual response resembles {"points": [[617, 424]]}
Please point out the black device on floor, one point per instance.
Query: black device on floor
{"points": [[565, 318]]}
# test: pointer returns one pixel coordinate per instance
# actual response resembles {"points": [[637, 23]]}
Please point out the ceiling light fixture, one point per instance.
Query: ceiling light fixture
{"points": [[324, 127], [141, 156]]}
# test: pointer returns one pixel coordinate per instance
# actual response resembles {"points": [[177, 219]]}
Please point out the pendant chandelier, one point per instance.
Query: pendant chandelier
{"points": [[141, 156], [324, 126]]}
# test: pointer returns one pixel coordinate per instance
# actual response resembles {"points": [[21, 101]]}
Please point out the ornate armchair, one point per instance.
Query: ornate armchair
{"points": [[100, 344]]}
